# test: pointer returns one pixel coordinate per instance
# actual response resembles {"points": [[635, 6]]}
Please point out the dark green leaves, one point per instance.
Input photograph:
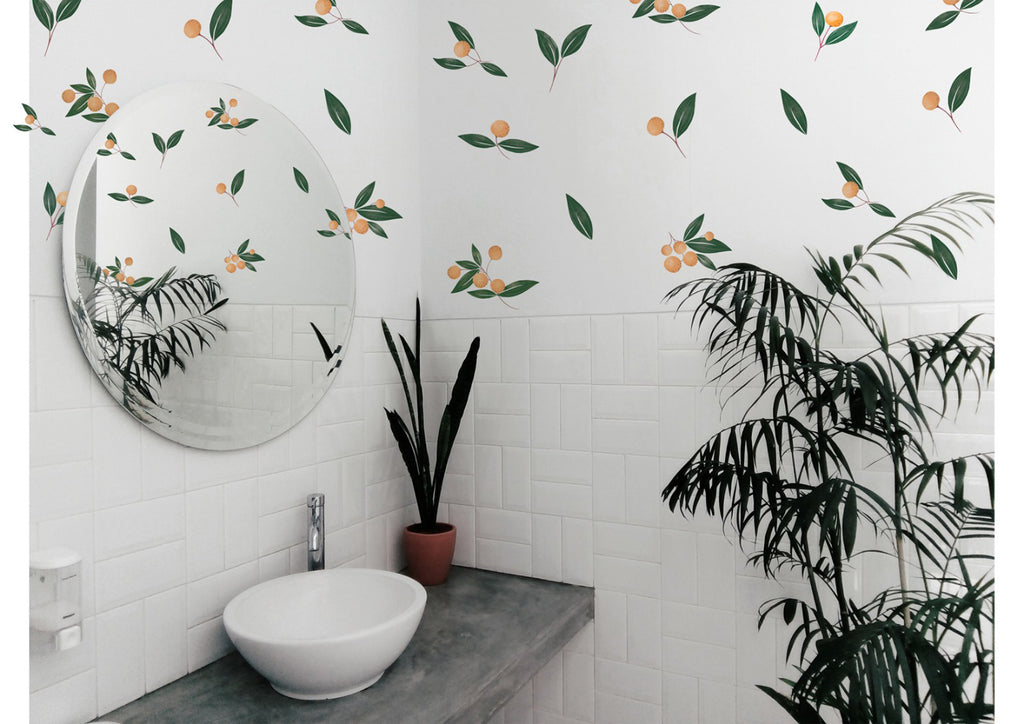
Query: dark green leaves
{"points": [[164, 146], [514, 289], [354, 27], [574, 40], [66, 9], [461, 33], [943, 19], [692, 15], [579, 217], [515, 145], [707, 246], [49, 199], [477, 140], [493, 69], [644, 8], [881, 210], [220, 19], [117, 196], [158, 141], [548, 47], [959, 90], [462, 36], [684, 115], [450, 63], [693, 229], [838, 204], [311, 21], [237, 181], [841, 33], [698, 12], [818, 20], [364, 196], [177, 241], [943, 257], [300, 180], [338, 113], [794, 112], [849, 174], [44, 13]]}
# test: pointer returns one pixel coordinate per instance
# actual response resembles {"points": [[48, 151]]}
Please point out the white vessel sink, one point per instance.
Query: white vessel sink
{"points": [[325, 634]]}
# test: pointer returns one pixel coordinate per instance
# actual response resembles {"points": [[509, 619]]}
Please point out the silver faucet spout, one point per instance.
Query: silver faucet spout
{"points": [[315, 532]]}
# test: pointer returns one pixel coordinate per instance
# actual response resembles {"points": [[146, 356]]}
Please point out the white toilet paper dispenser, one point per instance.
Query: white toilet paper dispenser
{"points": [[55, 595]]}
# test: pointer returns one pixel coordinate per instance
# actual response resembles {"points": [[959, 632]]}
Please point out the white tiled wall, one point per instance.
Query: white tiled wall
{"points": [[170, 534], [574, 441]]}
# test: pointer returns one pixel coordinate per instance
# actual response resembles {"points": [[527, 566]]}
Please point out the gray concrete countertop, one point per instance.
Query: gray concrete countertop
{"points": [[483, 635]]}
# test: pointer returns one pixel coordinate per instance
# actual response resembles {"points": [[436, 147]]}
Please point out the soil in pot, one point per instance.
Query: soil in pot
{"points": [[428, 551]]}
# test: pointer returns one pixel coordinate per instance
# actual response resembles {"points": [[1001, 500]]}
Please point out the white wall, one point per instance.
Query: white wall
{"points": [[588, 395]]}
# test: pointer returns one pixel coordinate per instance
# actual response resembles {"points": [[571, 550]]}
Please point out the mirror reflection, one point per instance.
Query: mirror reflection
{"points": [[208, 265]]}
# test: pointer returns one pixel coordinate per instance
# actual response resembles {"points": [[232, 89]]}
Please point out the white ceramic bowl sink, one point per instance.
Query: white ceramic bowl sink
{"points": [[325, 634]]}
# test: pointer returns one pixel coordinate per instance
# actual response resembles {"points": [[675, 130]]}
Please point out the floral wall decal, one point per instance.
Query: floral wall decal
{"points": [[220, 116], [794, 112], [334, 226], [580, 218], [86, 96], [326, 9], [112, 148], [955, 98], [243, 258], [119, 270], [236, 186], [852, 189], [164, 146], [680, 122], [218, 24], [54, 205], [499, 129], [476, 274], [829, 27], [131, 196], [32, 121], [45, 14], [338, 112], [672, 12], [366, 215], [945, 18], [300, 180], [549, 48], [694, 247], [466, 48], [176, 241]]}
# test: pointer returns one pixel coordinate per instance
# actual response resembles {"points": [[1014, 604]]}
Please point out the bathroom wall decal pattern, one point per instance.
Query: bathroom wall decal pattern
{"points": [[672, 13], [555, 54], [86, 96], [852, 190], [579, 217], [163, 146], [944, 19], [222, 116], [476, 273], [958, 91], [218, 24], [338, 112], [54, 205], [32, 122], [693, 248], [794, 112], [499, 130], [366, 215], [330, 9], [112, 148], [465, 47], [829, 27], [680, 122], [50, 19]]}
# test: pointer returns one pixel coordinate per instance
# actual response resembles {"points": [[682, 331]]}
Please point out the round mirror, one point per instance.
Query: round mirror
{"points": [[208, 265]]}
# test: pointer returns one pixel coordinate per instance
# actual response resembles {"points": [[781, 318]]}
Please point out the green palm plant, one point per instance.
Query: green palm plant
{"points": [[138, 333], [412, 437], [922, 649]]}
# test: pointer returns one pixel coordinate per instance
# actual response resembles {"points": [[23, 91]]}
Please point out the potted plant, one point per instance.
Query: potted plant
{"points": [[429, 545], [921, 649]]}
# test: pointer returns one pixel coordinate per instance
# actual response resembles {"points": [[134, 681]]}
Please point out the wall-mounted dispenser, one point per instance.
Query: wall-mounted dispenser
{"points": [[55, 596]]}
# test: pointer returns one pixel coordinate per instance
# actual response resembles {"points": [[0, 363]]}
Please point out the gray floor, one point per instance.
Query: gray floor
{"points": [[483, 635]]}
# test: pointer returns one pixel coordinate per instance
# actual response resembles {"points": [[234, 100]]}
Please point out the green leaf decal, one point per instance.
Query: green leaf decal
{"points": [[29, 110], [684, 115], [142, 199], [849, 174], [942, 20], [882, 210], [664, 19], [245, 124], [47, 131], [333, 216], [96, 117], [477, 140], [338, 112], [461, 33], [794, 112], [694, 228], [705, 246], [944, 257], [515, 145], [514, 289], [959, 90], [548, 47], [450, 63], [159, 143], [118, 196], [645, 7], [574, 40], [580, 218], [968, 4], [243, 246], [90, 79], [464, 283], [364, 196], [493, 69], [128, 156], [177, 241], [841, 33], [838, 204], [44, 13], [237, 181], [705, 261], [372, 213], [482, 293], [80, 104], [300, 180], [476, 255], [49, 199], [220, 19], [698, 12], [174, 138], [22, 127], [355, 27], [312, 21], [66, 9], [818, 20], [376, 229]]}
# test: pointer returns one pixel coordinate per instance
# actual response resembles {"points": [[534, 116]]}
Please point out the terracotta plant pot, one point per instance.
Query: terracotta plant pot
{"points": [[429, 551]]}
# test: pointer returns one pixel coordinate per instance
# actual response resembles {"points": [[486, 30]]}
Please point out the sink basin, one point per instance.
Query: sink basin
{"points": [[325, 634]]}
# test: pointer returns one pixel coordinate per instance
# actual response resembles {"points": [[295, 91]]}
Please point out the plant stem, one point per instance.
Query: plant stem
{"points": [[50, 39], [212, 46], [675, 141], [950, 118], [555, 75]]}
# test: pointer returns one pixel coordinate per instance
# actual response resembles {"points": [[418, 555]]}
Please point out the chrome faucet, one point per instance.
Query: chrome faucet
{"points": [[315, 532]]}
